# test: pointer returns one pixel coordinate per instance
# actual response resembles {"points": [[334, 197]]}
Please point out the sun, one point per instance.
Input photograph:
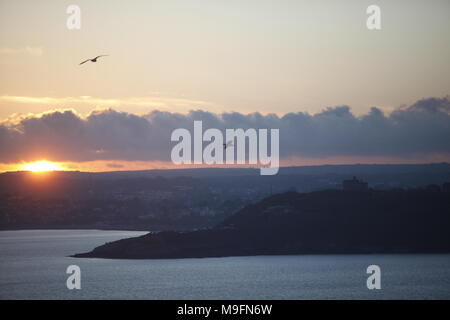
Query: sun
{"points": [[41, 166]]}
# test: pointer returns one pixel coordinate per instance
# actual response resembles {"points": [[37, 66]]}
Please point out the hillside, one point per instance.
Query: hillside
{"points": [[318, 222]]}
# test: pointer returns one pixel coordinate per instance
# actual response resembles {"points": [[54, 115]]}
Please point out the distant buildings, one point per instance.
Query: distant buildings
{"points": [[446, 187], [354, 185], [433, 188]]}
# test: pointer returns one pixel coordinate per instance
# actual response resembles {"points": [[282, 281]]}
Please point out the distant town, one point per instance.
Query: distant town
{"points": [[182, 199]]}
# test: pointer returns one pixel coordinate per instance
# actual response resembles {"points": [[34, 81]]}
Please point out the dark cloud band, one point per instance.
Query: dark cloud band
{"points": [[420, 129]]}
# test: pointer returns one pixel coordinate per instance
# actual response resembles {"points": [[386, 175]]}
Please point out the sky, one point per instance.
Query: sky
{"points": [[281, 59]]}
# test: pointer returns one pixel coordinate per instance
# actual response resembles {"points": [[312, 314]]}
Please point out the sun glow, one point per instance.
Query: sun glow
{"points": [[41, 166]]}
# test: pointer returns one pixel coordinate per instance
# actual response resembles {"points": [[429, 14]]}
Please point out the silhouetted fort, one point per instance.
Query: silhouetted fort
{"points": [[355, 185]]}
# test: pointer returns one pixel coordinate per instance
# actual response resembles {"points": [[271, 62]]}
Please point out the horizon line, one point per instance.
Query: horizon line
{"points": [[229, 167]]}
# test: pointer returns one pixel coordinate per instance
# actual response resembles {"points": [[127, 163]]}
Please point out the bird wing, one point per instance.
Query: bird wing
{"points": [[103, 55], [85, 61]]}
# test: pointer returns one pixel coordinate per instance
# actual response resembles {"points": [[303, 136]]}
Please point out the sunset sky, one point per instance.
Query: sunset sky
{"points": [[290, 58]]}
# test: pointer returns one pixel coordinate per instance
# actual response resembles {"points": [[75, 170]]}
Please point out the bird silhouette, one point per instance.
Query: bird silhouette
{"points": [[93, 59], [228, 144]]}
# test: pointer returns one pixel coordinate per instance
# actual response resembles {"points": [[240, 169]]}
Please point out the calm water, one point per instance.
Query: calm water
{"points": [[33, 265]]}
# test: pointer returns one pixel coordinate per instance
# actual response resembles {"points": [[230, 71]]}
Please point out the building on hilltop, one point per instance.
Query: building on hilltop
{"points": [[355, 185]]}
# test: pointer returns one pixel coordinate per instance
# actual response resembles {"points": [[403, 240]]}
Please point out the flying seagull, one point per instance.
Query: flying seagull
{"points": [[228, 144], [94, 59]]}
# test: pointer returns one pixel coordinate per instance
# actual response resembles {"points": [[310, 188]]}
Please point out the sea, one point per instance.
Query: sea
{"points": [[33, 265]]}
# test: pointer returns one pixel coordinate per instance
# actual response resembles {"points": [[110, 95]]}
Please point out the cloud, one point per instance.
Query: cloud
{"points": [[416, 131], [28, 50], [115, 165]]}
